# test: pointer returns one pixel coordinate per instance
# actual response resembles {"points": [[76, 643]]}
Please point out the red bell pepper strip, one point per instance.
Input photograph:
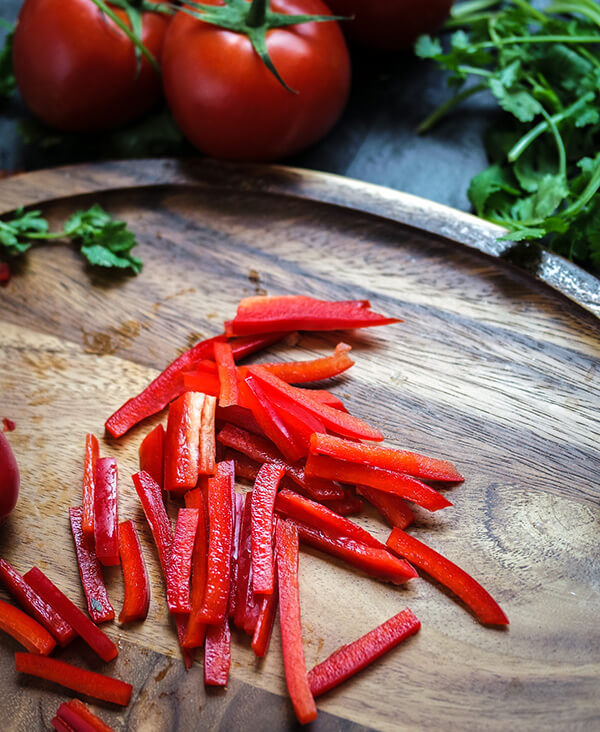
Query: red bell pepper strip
{"points": [[220, 492], [353, 657], [4, 274], [151, 454], [286, 546], [265, 314], [156, 516], [263, 501], [322, 518], [36, 606], [228, 378], [182, 442], [24, 629], [244, 563], [206, 457], [77, 679], [393, 509], [239, 416], [388, 481], [180, 566], [301, 372], [168, 385], [262, 451], [80, 718], [238, 514], [301, 423], [450, 575], [326, 397], [265, 622], [335, 420], [90, 571], [387, 458], [92, 453], [135, 577], [270, 421], [196, 627], [375, 562], [349, 505], [202, 381], [106, 512], [181, 623], [98, 641], [60, 725], [217, 654]]}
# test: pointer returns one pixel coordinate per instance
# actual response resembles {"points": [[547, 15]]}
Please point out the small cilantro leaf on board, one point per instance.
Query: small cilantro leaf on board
{"points": [[103, 241], [542, 65]]}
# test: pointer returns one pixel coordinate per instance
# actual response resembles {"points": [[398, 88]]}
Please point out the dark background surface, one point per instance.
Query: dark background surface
{"points": [[375, 140]]}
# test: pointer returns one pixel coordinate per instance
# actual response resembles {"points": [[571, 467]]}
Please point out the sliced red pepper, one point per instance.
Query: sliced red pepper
{"points": [[217, 653], [301, 372], [80, 718], [24, 629], [169, 385], [206, 457], [335, 420], [156, 515], [228, 377], [286, 544], [263, 501], [353, 657], [349, 505], [270, 421], [182, 442], [375, 562], [326, 397], [151, 454], [181, 623], [92, 453], [239, 416], [300, 422], [266, 314], [388, 481], [8, 425], [77, 679], [36, 606], [98, 641], [265, 622], [135, 577], [387, 458], [450, 575], [244, 563], [90, 571], [60, 725], [202, 381], [263, 451], [322, 518], [196, 627], [238, 514], [220, 492], [393, 509], [180, 566], [106, 513], [4, 274]]}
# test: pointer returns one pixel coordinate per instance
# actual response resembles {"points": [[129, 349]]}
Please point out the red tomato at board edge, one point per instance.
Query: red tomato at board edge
{"points": [[76, 70], [230, 106], [9, 479], [390, 25]]}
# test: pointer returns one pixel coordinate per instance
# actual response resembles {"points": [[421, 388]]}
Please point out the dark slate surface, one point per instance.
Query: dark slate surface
{"points": [[375, 140]]}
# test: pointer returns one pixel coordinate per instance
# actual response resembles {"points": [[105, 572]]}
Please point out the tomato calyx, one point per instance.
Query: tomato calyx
{"points": [[133, 10], [253, 20]]}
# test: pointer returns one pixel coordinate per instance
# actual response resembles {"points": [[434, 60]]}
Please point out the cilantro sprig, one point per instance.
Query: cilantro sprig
{"points": [[543, 68], [102, 240]]}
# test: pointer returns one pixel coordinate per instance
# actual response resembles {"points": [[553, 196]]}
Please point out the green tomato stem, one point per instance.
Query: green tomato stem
{"points": [[257, 14]]}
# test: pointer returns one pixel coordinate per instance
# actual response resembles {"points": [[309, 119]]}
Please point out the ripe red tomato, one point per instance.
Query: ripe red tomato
{"points": [[229, 105], [9, 479], [390, 25], [77, 71]]}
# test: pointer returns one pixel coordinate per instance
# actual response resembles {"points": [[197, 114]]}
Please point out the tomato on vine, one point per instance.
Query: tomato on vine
{"points": [[255, 80], [86, 65]]}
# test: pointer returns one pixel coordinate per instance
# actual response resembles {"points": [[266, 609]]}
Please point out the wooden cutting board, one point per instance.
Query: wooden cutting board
{"points": [[491, 369]]}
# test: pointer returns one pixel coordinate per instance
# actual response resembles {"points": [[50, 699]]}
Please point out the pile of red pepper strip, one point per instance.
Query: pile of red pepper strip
{"points": [[240, 558], [74, 716]]}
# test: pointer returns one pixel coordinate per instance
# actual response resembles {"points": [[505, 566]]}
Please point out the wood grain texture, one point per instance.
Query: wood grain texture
{"points": [[490, 369]]}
